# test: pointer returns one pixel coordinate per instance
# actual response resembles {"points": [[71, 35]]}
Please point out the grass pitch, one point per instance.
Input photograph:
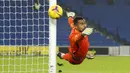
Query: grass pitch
{"points": [[34, 64], [23, 64], [101, 64]]}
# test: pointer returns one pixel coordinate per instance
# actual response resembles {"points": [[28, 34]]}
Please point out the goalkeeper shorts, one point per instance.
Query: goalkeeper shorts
{"points": [[69, 57]]}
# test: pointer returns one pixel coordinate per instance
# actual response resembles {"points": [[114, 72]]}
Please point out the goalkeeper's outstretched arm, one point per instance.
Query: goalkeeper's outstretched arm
{"points": [[70, 21], [70, 16]]}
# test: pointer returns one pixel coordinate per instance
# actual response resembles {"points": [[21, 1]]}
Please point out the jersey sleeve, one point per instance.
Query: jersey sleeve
{"points": [[70, 21]]}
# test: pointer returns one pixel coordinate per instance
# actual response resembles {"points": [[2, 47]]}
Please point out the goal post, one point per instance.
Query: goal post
{"points": [[52, 41]]}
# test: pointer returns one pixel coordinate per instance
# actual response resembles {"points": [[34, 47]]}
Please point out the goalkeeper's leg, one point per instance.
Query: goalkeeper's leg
{"points": [[66, 56], [69, 58]]}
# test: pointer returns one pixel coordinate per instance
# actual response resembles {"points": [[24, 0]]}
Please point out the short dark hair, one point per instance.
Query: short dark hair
{"points": [[76, 19]]}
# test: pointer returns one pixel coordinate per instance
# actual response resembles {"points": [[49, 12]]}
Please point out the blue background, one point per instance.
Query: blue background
{"points": [[21, 25]]}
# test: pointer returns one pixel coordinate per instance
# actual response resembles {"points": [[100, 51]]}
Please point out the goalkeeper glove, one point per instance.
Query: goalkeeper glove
{"points": [[36, 5], [87, 31], [70, 14]]}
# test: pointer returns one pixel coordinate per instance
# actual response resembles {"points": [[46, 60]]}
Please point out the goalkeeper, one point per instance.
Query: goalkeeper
{"points": [[78, 38]]}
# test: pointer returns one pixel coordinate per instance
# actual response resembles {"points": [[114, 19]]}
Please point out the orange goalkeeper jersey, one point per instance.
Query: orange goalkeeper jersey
{"points": [[78, 44]]}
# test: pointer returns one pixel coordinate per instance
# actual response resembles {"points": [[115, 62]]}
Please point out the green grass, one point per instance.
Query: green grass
{"points": [[101, 64], [22, 64]]}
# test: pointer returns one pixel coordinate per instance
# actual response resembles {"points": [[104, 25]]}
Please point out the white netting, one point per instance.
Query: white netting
{"points": [[24, 36]]}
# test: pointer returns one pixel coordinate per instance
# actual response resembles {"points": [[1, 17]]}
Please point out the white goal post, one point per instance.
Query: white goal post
{"points": [[52, 41]]}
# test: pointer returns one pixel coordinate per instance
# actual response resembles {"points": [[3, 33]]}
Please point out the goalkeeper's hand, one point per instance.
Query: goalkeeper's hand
{"points": [[87, 31], [70, 14]]}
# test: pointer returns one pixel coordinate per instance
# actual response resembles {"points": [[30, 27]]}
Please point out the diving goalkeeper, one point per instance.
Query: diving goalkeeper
{"points": [[78, 38]]}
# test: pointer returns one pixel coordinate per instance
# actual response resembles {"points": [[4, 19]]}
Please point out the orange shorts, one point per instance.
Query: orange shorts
{"points": [[69, 57]]}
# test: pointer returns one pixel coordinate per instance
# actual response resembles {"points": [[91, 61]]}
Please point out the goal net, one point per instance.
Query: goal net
{"points": [[24, 37]]}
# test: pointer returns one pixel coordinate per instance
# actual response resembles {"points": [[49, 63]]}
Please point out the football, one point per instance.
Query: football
{"points": [[55, 11]]}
